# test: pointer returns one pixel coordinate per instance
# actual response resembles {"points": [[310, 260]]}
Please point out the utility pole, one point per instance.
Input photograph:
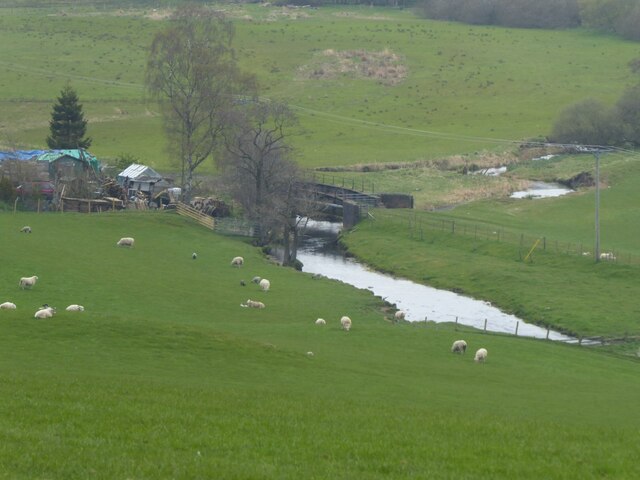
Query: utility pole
{"points": [[597, 246]]}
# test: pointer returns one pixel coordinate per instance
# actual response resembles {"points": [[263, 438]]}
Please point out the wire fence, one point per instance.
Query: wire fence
{"points": [[422, 227]]}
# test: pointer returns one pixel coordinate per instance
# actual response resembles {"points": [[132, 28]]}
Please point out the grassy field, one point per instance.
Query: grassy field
{"points": [[165, 376], [370, 85], [481, 248]]}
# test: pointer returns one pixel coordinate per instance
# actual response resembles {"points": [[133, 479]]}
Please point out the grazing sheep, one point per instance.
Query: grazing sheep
{"points": [[27, 282], [309, 354], [75, 308], [45, 312], [346, 323], [194, 255], [459, 346], [321, 321], [242, 283], [481, 355], [265, 285], [399, 315], [252, 304], [256, 280], [26, 229], [607, 256], [8, 306], [125, 242], [237, 262]]}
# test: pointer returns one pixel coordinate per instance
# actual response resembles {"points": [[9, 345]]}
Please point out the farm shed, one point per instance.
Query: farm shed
{"points": [[141, 178], [68, 165]]}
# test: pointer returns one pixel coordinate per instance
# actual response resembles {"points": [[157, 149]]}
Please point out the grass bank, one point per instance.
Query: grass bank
{"points": [[165, 375]]}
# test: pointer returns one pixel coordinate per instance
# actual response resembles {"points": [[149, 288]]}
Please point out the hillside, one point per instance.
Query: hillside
{"points": [[370, 85], [164, 375]]}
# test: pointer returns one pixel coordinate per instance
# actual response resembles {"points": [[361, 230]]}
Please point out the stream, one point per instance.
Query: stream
{"points": [[319, 254]]}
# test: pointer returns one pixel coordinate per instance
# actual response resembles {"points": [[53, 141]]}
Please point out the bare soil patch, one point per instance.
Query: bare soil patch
{"points": [[384, 66]]}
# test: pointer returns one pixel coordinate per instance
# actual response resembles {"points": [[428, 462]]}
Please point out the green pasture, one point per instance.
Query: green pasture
{"points": [[164, 375], [465, 89]]}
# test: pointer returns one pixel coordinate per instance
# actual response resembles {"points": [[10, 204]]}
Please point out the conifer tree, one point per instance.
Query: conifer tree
{"points": [[67, 124]]}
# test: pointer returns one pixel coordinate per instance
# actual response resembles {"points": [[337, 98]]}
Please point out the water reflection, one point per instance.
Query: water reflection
{"points": [[319, 255], [542, 190]]}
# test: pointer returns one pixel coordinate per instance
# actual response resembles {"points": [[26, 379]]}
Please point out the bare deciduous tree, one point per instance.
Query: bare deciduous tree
{"points": [[261, 176], [193, 73]]}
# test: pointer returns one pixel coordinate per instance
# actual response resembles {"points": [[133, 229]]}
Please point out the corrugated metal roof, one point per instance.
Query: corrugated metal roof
{"points": [[136, 170]]}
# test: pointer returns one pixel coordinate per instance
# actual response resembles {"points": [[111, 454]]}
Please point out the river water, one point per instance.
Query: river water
{"points": [[320, 255]]}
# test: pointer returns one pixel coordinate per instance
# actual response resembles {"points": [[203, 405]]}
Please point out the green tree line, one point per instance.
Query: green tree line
{"points": [[621, 17]]}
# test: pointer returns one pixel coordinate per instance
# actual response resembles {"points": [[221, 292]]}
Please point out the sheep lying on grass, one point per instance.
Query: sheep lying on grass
{"points": [[481, 355], [346, 323], [8, 306], [265, 285], [252, 304], [321, 321], [125, 242], [237, 262], [46, 312], [26, 229], [399, 315], [27, 282], [459, 346], [75, 308]]}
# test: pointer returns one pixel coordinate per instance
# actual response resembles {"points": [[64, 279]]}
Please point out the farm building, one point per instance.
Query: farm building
{"points": [[69, 164], [141, 178], [44, 165]]}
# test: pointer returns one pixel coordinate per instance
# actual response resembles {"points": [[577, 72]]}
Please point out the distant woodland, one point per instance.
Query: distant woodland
{"points": [[621, 17]]}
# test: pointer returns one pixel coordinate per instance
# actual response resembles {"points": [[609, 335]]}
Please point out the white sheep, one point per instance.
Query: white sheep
{"points": [[607, 256], [126, 242], [75, 308], [256, 280], [237, 262], [481, 355], [26, 229], [321, 321], [459, 346], [46, 312], [252, 304], [27, 282], [265, 285], [346, 323], [8, 306], [399, 315]]}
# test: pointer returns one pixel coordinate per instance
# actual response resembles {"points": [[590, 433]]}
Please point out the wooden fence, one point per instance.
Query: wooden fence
{"points": [[203, 219]]}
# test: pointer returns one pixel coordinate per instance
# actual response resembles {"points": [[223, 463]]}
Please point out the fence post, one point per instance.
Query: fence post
{"points": [[485, 325], [517, 325], [456, 327], [547, 333], [453, 226], [544, 243]]}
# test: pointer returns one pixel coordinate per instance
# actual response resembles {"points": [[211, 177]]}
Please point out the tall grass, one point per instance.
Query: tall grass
{"points": [[164, 375]]}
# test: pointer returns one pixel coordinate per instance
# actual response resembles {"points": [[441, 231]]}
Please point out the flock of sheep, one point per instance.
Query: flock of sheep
{"points": [[459, 346], [46, 311]]}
